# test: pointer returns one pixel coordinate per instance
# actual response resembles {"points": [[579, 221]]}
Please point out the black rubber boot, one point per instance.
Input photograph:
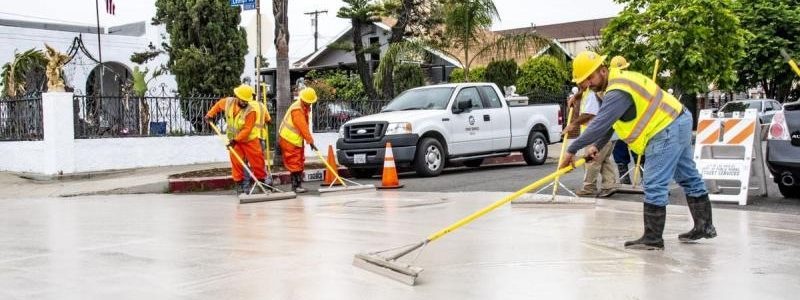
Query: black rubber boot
{"points": [[700, 208], [654, 219], [626, 178], [297, 182]]}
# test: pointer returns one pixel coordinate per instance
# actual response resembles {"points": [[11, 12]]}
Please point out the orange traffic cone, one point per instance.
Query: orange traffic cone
{"points": [[329, 177], [389, 179]]}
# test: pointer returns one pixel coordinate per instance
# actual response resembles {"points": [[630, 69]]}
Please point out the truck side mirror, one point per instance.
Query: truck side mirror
{"points": [[462, 106]]}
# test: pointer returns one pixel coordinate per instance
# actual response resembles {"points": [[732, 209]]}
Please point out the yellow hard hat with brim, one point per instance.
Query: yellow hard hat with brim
{"points": [[308, 95], [585, 64], [244, 92], [619, 62]]}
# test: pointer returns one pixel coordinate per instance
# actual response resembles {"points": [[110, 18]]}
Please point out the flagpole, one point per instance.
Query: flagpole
{"points": [[99, 48], [258, 51]]}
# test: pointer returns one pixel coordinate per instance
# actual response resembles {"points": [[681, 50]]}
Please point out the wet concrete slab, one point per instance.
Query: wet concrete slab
{"points": [[210, 247]]}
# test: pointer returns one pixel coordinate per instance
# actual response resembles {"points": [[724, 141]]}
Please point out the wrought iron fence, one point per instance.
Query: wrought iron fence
{"points": [[329, 115], [129, 116], [21, 118]]}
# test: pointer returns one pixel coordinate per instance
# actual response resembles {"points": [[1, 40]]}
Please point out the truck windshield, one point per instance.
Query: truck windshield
{"points": [[428, 98]]}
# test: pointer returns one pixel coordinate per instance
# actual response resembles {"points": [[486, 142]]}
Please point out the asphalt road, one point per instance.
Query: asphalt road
{"points": [[512, 177]]}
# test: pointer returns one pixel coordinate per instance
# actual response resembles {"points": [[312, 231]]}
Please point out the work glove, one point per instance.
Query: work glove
{"points": [[313, 147], [231, 143]]}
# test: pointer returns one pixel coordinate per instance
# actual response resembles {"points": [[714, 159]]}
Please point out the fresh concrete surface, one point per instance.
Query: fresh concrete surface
{"points": [[209, 247]]}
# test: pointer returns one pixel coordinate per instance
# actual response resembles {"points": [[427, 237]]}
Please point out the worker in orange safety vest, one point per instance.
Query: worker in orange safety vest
{"points": [[245, 122], [294, 131]]}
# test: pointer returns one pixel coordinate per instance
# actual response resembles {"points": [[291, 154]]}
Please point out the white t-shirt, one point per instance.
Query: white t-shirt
{"points": [[592, 107]]}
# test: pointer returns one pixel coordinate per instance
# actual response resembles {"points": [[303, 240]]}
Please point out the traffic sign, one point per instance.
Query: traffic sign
{"points": [[248, 6], [241, 2]]}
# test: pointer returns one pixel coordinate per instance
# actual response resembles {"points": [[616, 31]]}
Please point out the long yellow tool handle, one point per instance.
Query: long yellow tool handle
{"points": [[655, 69], [505, 200], [791, 62], [330, 168], [636, 170], [238, 158], [563, 149], [266, 141]]}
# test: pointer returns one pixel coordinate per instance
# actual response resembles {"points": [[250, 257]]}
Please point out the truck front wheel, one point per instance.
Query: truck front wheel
{"points": [[536, 152], [430, 157]]}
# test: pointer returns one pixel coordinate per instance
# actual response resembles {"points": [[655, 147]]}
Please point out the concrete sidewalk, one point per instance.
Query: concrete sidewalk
{"points": [[210, 247]]}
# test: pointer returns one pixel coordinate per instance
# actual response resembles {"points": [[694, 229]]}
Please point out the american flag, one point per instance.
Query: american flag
{"points": [[110, 7]]}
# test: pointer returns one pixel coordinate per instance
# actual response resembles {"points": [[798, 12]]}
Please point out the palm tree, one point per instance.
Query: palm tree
{"points": [[283, 91], [361, 13], [24, 74]]}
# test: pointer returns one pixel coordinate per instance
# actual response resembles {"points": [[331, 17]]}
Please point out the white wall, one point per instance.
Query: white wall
{"points": [[22, 156], [126, 153]]}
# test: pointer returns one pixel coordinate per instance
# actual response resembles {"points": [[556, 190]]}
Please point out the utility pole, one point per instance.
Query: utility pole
{"points": [[258, 52], [315, 22], [99, 48]]}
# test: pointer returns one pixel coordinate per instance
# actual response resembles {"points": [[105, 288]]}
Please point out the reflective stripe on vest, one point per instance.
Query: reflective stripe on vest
{"points": [[655, 109], [288, 130], [236, 122]]}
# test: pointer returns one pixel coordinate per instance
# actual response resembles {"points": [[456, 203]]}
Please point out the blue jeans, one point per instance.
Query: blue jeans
{"points": [[669, 156]]}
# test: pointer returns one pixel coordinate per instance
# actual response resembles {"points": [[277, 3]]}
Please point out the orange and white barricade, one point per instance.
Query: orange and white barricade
{"points": [[728, 155]]}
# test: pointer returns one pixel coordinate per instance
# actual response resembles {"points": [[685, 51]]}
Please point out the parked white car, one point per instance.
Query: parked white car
{"points": [[432, 126]]}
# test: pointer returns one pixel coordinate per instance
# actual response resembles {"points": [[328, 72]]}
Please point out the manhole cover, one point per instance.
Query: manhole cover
{"points": [[394, 203]]}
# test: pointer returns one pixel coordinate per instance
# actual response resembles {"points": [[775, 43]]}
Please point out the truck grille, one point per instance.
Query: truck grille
{"points": [[364, 132]]}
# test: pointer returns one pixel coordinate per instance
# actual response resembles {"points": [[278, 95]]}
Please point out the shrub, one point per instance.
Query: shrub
{"points": [[476, 74], [502, 72], [407, 76], [542, 73]]}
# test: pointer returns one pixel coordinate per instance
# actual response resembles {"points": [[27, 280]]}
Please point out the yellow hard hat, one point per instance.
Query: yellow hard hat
{"points": [[585, 64], [244, 92], [308, 95], [619, 62]]}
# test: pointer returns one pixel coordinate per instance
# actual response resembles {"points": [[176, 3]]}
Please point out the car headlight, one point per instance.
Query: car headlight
{"points": [[398, 128], [341, 132]]}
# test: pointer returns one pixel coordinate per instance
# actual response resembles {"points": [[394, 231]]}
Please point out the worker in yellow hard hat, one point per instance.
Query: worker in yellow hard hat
{"points": [[243, 122], [653, 123], [294, 131], [619, 62]]}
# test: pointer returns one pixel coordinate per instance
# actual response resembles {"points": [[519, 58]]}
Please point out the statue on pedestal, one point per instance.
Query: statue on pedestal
{"points": [[55, 60]]}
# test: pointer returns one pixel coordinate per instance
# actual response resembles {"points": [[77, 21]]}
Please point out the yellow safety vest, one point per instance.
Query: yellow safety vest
{"points": [[655, 108], [288, 130], [261, 120], [236, 122], [582, 110]]}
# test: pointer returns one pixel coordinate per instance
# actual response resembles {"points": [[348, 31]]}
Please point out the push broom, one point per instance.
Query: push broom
{"points": [[388, 265], [355, 187], [249, 197]]}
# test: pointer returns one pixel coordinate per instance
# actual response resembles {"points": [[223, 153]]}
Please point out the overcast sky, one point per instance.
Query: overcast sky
{"points": [[513, 14]]}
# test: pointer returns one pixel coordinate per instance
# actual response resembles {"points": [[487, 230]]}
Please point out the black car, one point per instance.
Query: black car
{"points": [[783, 149]]}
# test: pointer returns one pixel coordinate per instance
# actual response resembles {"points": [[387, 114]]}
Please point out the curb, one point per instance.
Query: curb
{"points": [[188, 185], [197, 184]]}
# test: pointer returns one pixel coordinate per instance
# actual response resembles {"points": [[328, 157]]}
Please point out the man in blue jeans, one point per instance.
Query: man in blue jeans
{"points": [[655, 124]]}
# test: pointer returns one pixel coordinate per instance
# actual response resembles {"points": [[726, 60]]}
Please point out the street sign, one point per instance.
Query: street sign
{"points": [[240, 2], [248, 6]]}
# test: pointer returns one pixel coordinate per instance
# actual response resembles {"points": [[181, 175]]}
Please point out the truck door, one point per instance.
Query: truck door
{"points": [[496, 118], [468, 131]]}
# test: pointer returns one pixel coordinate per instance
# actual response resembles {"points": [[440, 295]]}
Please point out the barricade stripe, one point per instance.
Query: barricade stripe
{"points": [[714, 137], [746, 133]]}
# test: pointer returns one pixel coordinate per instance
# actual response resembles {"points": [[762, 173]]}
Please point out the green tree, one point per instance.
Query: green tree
{"points": [[775, 25], [362, 13], [408, 76], [502, 72], [24, 74], [467, 23], [545, 72], [697, 41], [419, 19]]}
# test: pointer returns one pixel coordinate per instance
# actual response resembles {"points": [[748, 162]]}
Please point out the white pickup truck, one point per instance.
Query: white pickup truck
{"points": [[432, 126]]}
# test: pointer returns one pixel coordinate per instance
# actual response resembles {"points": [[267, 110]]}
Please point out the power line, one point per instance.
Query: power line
{"points": [[315, 21]]}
